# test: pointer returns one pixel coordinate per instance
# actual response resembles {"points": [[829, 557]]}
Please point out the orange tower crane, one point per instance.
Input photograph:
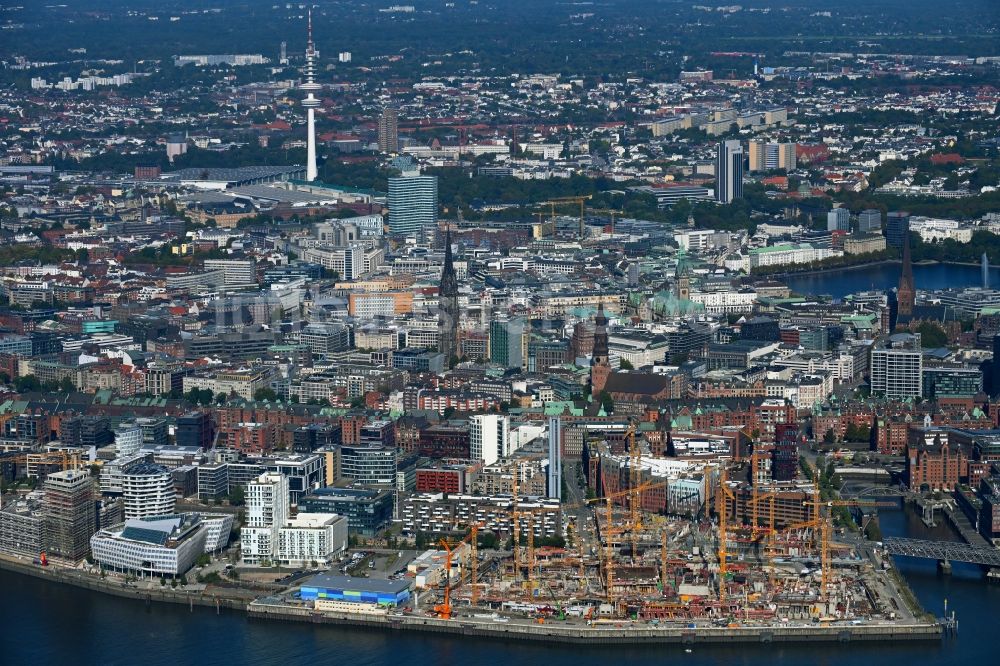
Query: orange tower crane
{"points": [[444, 609]]}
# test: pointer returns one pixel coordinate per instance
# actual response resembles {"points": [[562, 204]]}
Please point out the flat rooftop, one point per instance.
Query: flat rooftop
{"points": [[335, 582]]}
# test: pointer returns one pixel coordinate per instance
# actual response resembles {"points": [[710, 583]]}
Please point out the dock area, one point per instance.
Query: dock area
{"points": [[611, 633], [614, 632]]}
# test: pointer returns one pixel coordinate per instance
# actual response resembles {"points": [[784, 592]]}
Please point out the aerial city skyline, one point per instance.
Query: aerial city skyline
{"points": [[664, 330]]}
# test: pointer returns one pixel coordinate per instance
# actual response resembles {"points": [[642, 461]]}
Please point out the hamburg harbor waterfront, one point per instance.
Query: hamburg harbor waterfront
{"points": [[373, 333], [90, 624]]}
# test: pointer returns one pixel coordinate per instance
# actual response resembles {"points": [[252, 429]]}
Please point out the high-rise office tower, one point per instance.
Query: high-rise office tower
{"points": [[309, 104], [729, 172], [870, 221], [388, 131], [896, 367], [554, 485], [413, 203], [508, 342], [195, 429], [897, 228], [785, 454], [70, 514], [448, 313], [838, 219], [765, 156]]}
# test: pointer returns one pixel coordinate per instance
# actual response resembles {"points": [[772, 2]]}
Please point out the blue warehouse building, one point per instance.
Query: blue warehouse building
{"points": [[356, 590]]}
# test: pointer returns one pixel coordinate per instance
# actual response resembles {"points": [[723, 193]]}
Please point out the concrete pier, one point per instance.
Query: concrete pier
{"points": [[623, 632]]}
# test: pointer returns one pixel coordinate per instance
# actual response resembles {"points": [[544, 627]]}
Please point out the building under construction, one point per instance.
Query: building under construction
{"points": [[739, 548]]}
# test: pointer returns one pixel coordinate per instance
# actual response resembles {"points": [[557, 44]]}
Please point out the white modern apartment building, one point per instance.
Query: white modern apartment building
{"points": [[128, 439], [218, 527], [267, 511], [489, 437], [312, 537], [148, 490]]}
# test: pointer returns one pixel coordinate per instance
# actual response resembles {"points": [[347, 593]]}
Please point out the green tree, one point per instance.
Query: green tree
{"points": [[237, 496], [27, 384], [199, 396], [265, 394], [932, 335], [66, 385], [625, 364]]}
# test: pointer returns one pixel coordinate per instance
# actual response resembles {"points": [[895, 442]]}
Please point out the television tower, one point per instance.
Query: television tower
{"points": [[310, 103]]}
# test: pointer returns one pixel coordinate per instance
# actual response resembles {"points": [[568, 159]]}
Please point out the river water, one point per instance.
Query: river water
{"points": [[839, 283], [46, 623]]}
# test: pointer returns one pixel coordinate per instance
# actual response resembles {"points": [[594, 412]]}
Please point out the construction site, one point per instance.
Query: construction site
{"points": [[753, 552]]}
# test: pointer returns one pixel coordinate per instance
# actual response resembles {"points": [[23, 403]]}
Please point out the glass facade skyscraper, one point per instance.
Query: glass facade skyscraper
{"points": [[413, 203], [729, 172]]}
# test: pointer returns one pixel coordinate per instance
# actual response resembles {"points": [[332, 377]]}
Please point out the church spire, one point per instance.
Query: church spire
{"points": [[449, 266], [600, 368], [906, 294], [448, 312]]}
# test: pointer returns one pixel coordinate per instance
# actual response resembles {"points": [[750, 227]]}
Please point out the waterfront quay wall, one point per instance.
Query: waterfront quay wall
{"points": [[56, 574], [606, 634], [241, 600]]}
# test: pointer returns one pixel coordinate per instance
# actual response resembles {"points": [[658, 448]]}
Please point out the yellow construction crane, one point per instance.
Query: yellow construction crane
{"points": [[611, 212], [663, 558], [515, 517], [722, 497], [610, 531], [635, 491], [474, 542], [822, 525], [35, 460], [557, 201]]}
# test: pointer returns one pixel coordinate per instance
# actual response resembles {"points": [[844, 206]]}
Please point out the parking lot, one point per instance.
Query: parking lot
{"points": [[376, 564]]}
